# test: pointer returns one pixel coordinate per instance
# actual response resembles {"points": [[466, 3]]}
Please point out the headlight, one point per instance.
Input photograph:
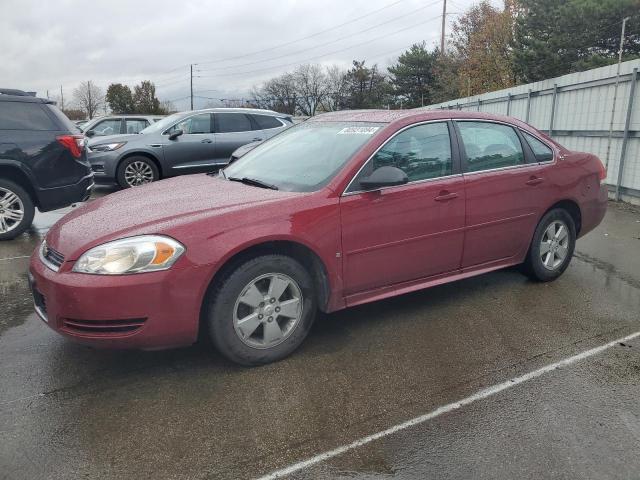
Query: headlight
{"points": [[107, 147], [146, 253]]}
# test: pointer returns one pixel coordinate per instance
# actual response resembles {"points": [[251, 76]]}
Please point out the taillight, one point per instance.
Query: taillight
{"points": [[73, 143], [603, 171]]}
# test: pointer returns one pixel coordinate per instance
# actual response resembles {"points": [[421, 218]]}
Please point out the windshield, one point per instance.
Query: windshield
{"points": [[303, 158], [163, 124]]}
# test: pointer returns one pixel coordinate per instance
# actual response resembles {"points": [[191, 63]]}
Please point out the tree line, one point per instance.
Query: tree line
{"points": [[490, 48]]}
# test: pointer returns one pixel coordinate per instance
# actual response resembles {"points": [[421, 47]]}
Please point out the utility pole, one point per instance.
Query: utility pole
{"points": [[191, 86], [444, 21], [615, 92]]}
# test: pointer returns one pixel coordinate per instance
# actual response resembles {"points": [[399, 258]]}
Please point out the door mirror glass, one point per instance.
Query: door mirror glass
{"points": [[384, 177], [89, 133], [175, 134]]}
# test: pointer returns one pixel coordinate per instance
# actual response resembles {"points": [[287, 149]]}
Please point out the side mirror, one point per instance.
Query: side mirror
{"points": [[384, 177], [89, 133], [175, 134]]}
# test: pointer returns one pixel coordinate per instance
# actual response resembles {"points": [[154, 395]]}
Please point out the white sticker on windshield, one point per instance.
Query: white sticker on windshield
{"points": [[358, 131]]}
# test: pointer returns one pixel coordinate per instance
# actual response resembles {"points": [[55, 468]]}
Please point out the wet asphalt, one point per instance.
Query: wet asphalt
{"points": [[68, 411]]}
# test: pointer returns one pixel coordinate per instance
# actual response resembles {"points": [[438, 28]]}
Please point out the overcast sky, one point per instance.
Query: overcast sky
{"points": [[236, 44]]}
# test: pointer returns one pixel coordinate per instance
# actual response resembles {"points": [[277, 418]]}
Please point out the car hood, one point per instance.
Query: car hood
{"points": [[153, 209]]}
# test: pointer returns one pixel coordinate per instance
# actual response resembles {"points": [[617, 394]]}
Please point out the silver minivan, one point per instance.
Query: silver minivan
{"points": [[182, 143]]}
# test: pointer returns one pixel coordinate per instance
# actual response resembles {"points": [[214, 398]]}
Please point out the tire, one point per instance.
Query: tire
{"points": [[135, 171], [16, 210], [244, 332], [545, 265]]}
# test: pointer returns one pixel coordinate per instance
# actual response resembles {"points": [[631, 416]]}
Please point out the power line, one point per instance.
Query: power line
{"points": [[339, 39], [324, 54], [290, 42]]}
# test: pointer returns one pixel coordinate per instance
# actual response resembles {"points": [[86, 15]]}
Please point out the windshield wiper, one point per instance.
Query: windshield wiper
{"points": [[252, 182]]}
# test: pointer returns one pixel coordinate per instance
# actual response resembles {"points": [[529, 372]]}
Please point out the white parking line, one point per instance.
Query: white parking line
{"points": [[482, 394], [14, 258]]}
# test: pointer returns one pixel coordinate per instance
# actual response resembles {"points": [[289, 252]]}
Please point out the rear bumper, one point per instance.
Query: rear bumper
{"points": [[145, 311], [58, 197], [594, 210]]}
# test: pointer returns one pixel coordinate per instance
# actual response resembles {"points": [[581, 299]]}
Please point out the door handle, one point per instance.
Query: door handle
{"points": [[445, 196], [534, 181], [256, 140], [206, 140]]}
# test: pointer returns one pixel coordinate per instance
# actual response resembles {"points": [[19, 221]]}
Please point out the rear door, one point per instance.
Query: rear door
{"points": [[406, 232], [503, 192], [233, 129], [194, 150]]}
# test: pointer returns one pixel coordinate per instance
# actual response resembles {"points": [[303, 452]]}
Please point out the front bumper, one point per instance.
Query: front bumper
{"points": [[142, 311], [103, 165]]}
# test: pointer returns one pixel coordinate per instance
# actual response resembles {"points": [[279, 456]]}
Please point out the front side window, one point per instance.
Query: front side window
{"points": [[232, 122], [200, 123], [110, 126], [422, 152], [490, 145], [540, 150], [306, 157], [135, 125]]}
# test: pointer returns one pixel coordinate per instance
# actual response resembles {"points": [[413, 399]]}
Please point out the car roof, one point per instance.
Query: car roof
{"points": [[14, 95], [238, 110], [390, 116]]}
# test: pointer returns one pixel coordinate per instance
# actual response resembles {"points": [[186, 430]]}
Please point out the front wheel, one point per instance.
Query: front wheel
{"points": [[262, 311], [551, 247], [136, 171]]}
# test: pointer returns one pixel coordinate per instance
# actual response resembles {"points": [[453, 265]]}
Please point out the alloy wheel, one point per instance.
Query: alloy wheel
{"points": [[11, 210], [267, 310], [138, 173], [554, 245]]}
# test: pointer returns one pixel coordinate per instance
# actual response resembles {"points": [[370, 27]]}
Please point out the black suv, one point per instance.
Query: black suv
{"points": [[43, 161]]}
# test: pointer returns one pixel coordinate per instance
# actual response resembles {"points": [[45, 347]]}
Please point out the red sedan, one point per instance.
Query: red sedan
{"points": [[346, 208]]}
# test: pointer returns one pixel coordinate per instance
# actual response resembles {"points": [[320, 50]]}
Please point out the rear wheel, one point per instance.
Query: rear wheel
{"points": [[136, 171], [552, 246], [262, 311], [16, 210]]}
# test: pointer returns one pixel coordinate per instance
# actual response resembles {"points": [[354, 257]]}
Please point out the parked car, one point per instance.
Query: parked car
{"points": [[344, 209], [80, 123], [43, 161], [188, 142], [118, 125]]}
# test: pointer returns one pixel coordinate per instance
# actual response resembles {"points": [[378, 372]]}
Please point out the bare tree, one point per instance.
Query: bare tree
{"points": [[277, 94], [89, 97], [336, 89], [311, 87]]}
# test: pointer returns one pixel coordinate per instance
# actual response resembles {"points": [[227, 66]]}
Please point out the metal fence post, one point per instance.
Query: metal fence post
{"points": [[508, 103], [479, 102], [528, 106], [553, 108], [625, 137]]}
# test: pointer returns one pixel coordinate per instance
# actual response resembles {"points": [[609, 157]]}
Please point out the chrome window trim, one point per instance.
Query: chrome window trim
{"points": [[510, 167], [445, 120], [415, 182]]}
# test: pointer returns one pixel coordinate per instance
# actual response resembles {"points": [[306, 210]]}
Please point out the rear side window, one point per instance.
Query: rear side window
{"points": [[135, 125], [232, 122], [24, 116], [490, 145], [540, 150], [265, 122], [422, 152]]}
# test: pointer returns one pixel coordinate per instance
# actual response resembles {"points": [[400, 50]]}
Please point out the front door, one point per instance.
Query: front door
{"points": [[194, 150], [503, 192], [406, 232]]}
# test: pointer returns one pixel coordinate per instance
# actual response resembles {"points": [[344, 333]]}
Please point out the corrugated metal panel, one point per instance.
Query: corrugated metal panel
{"points": [[583, 109]]}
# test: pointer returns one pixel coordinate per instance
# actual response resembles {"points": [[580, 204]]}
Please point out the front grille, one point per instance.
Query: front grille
{"points": [[52, 256], [102, 328]]}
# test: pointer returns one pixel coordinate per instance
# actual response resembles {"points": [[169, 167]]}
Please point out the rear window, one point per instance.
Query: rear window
{"points": [[265, 121], [63, 119], [24, 116]]}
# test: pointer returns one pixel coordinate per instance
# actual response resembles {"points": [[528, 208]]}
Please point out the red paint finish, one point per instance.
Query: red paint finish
{"points": [[372, 245]]}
